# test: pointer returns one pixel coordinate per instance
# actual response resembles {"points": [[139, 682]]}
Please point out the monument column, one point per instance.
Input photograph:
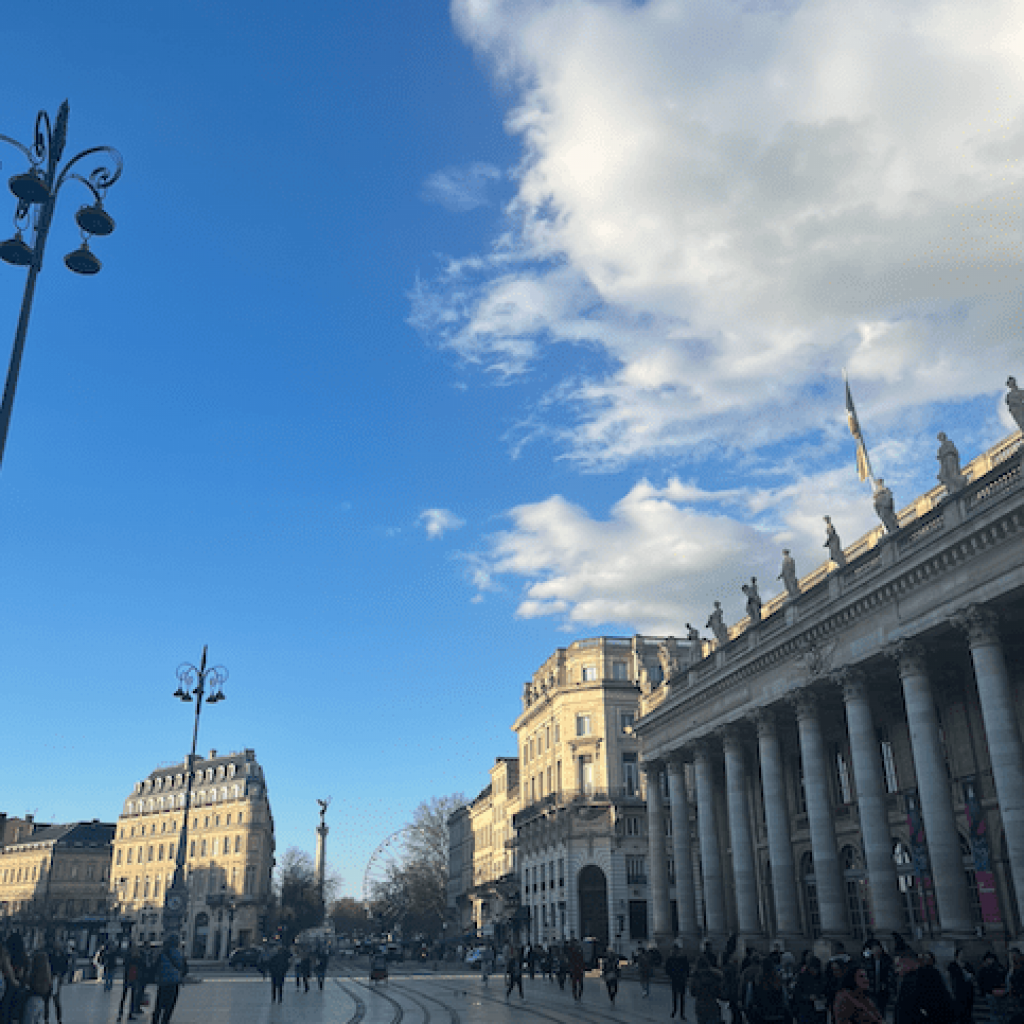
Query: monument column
{"points": [[776, 818], [744, 874], [1004, 742], [874, 820], [661, 910], [828, 879], [710, 852], [941, 833], [679, 808]]}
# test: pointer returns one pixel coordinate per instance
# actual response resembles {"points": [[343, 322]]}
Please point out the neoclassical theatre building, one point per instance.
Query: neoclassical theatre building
{"points": [[850, 761]]}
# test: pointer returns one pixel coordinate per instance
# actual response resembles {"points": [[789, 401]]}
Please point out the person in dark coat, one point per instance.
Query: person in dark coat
{"points": [[766, 1003], [961, 984], [922, 997], [706, 989], [881, 976], [677, 967], [277, 968], [810, 996], [170, 971], [992, 985]]}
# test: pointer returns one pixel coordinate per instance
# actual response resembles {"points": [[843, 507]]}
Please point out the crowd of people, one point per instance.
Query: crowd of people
{"points": [[873, 987], [31, 983], [778, 989]]}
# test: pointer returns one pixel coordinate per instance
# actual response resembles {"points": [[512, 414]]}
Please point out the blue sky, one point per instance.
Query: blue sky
{"points": [[432, 338]]}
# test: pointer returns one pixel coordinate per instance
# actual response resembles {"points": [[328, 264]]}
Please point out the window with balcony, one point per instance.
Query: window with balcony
{"points": [[626, 720]]}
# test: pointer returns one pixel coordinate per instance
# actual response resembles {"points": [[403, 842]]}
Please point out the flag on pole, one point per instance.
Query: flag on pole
{"points": [[863, 466]]}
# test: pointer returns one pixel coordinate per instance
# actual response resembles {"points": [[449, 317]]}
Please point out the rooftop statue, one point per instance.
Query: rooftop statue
{"points": [[788, 574], [833, 543], [716, 623], [696, 644], [1015, 402], [753, 599], [885, 506], [949, 465], [668, 655]]}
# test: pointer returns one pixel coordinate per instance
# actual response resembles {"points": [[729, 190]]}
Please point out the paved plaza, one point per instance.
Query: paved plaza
{"points": [[412, 995]]}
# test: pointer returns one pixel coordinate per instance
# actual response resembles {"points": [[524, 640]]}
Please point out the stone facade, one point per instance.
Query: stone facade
{"points": [[494, 893], [55, 879], [853, 762], [228, 863], [581, 835]]}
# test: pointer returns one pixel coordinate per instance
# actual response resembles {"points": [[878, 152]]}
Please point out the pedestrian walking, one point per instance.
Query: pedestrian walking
{"points": [[277, 968], [486, 964], [131, 968], [561, 966], [577, 969], [514, 973], [706, 989], [677, 967], [58, 961], [321, 968], [171, 968], [610, 973]]}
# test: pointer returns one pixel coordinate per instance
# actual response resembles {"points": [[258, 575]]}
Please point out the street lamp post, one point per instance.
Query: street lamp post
{"points": [[36, 191], [192, 683]]}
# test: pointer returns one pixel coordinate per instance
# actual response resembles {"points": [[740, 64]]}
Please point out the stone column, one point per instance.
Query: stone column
{"points": [[933, 786], [828, 879], [743, 871], [874, 818], [679, 808], [776, 818], [710, 852], [1004, 742], [661, 910]]}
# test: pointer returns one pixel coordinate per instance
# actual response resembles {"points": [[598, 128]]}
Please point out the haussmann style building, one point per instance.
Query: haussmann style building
{"points": [[229, 859], [848, 759]]}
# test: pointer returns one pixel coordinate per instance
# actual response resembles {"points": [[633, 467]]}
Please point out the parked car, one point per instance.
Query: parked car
{"points": [[474, 958], [242, 958]]}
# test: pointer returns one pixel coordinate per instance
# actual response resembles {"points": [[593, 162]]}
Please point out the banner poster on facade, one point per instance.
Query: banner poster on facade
{"points": [[919, 856], [977, 830]]}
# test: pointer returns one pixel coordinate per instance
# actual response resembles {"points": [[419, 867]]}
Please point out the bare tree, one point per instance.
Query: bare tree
{"points": [[415, 892]]}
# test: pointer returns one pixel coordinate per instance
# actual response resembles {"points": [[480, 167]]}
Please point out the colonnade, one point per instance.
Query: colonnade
{"points": [[725, 752]]}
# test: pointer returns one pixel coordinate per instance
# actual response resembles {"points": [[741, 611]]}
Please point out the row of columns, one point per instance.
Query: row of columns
{"points": [[1006, 753]]}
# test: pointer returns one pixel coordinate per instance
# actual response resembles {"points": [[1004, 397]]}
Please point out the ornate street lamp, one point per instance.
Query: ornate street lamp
{"points": [[192, 684], [36, 191]]}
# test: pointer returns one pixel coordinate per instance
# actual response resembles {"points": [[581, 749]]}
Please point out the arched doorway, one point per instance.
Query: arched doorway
{"points": [[200, 936], [593, 899]]}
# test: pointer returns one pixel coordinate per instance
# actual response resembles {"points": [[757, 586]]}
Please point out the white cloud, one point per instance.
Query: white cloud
{"points": [[729, 202], [461, 189], [438, 521], [663, 555]]}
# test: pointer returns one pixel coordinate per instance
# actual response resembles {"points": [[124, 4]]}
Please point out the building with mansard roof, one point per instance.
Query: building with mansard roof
{"points": [[55, 879], [852, 762], [228, 862]]}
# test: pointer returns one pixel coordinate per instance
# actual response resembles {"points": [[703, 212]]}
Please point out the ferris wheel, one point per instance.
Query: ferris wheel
{"points": [[390, 856]]}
